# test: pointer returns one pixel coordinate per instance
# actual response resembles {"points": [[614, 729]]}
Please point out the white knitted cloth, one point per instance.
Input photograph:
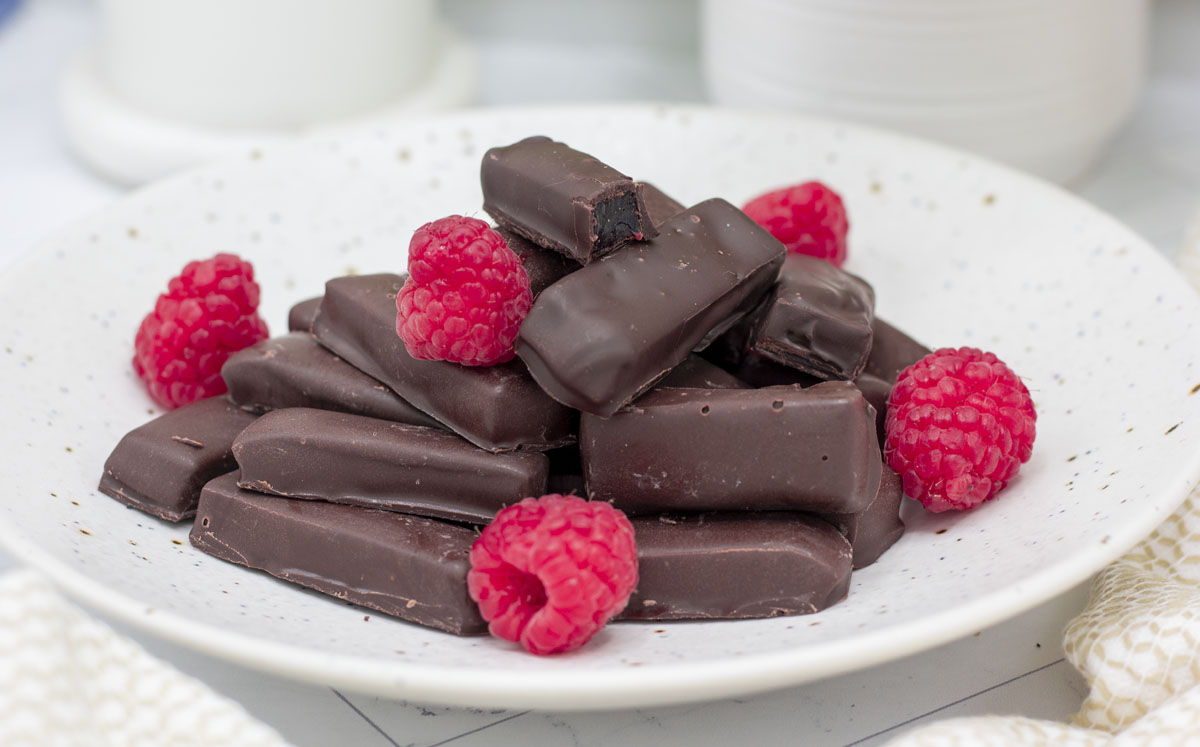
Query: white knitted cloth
{"points": [[68, 680], [1137, 643]]}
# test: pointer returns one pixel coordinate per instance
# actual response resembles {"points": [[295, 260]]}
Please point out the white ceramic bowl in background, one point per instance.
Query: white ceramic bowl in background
{"points": [[1039, 85], [960, 251]]}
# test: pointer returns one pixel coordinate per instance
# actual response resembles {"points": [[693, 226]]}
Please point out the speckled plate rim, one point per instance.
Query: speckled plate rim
{"points": [[665, 684]]}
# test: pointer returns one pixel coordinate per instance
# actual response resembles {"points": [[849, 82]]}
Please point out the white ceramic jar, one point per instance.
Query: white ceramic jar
{"points": [[170, 83], [1039, 84]]}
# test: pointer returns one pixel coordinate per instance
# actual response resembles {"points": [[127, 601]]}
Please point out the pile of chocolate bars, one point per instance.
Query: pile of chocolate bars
{"points": [[675, 362]]}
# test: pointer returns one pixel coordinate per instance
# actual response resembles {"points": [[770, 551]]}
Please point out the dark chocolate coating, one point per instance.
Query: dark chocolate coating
{"points": [[360, 461], [408, 566], [737, 565], [892, 351], [876, 527], [160, 467], [817, 320], [300, 317], [697, 373], [659, 206], [498, 408], [543, 266], [877, 391], [600, 336], [294, 371], [772, 449], [562, 199]]}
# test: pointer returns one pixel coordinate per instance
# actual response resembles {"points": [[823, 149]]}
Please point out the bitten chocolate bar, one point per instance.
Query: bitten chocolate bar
{"points": [[876, 527], [294, 371], [360, 461], [408, 566], [737, 565], [606, 333], [774, 449], [817, 319], [161, 466], [892, 351], [498, 408], [562, 199], [300, 317]]}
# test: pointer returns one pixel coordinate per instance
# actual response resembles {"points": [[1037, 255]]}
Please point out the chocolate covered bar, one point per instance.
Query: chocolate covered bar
{"points": [[773, 449], [817, 319], [892, 351], [606, 333], [876, 527], [697, 373], [408, 566], [294, 371], [161, 466], [562, 199], [659, 206], [498, 408], [543, 266], [360, 461], [737, 565], [877, 391], [300, 317]]}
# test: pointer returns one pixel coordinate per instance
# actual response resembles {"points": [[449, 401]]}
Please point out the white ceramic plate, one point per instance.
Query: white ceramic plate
{"points": [[960, 252]]}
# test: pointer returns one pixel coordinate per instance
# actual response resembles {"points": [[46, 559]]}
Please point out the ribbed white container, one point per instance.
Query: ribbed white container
{"points": [[1040, 85]]}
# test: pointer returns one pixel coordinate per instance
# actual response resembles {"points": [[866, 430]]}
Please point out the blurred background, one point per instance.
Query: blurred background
{"points": [[98, 96]]}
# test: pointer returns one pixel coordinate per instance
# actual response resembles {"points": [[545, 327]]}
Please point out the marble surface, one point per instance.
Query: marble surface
{"points": [[1150, 179]]}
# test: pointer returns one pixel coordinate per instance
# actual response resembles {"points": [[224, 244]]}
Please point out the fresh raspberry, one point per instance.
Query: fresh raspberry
{"points": [[808, 218], [466, 294], [959, 425], [209, 312], [550, 572]]}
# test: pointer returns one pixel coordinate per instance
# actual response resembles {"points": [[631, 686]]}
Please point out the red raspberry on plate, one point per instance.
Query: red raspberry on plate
{"points": [[209, 312], [959, 425], [808, 218], [550, 572], [466, 294]]}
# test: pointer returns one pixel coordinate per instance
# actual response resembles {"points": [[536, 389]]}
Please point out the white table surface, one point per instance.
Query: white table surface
{"points": [[1150, 179]]}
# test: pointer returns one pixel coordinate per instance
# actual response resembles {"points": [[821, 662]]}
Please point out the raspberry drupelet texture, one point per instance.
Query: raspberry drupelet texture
{"points": [[466, 295], [209, 312], [550, 572], [808, 218], [959, 425]]}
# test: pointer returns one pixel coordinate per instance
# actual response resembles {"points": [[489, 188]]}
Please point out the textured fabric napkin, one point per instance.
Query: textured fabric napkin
{"points": [[68, 679], [1137, 643]]}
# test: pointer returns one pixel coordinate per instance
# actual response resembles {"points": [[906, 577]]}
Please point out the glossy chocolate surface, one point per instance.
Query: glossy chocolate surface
{"points": [[300, 317], [498, 408], [892, 351], [360, 461], [877, 527], [606, 333], [659, 205], [160, 467], [543, 266], [562, 199], [817, 320], [737, 565], [771, 449], [697, 373], [294, 371], [408, 566]]}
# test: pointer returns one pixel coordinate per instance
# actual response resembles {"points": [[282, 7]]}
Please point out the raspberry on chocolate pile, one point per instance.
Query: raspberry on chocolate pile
{"points": [[959, 425], [808, 218], [550, 572], [209, 312], [466, 294]]}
